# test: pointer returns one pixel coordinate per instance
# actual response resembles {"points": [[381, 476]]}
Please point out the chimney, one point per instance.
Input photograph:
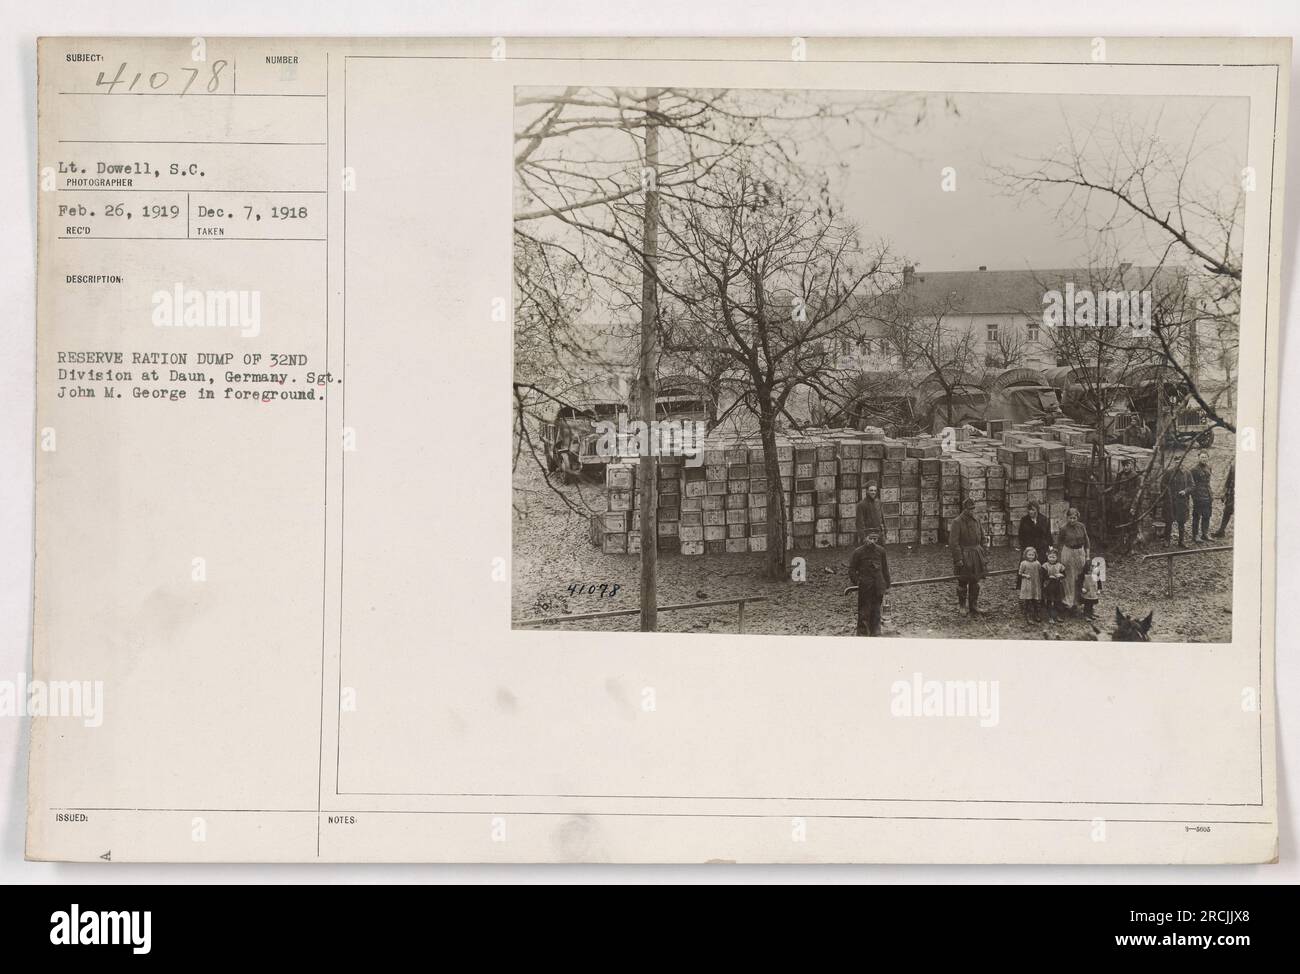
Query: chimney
{"points": [[909, 274]]}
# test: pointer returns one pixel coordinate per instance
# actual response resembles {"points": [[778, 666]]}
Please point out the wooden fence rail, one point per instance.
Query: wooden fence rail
{"points": [[1171, 555], [739, 603]]}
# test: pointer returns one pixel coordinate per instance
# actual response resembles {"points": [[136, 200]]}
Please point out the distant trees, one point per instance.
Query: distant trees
{"points": [[1122, 182], [929, 344]]}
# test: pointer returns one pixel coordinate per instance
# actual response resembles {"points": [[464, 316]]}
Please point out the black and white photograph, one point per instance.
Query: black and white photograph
{"points": [[909, 364], [892, 488]]}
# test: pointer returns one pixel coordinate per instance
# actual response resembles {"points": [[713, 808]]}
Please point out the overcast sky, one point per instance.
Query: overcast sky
{"points": [[892, 187], [887, 174]]}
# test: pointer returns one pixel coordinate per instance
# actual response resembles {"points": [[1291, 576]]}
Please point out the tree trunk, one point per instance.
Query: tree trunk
{"points": [[774, 563], [649, 466]]}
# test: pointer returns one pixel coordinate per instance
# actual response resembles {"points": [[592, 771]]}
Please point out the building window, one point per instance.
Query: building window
{"points": [[992, 331], [1032, 332]]}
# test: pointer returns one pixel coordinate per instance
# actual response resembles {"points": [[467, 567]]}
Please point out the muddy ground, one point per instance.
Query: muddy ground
{"points": [[552, 551]]}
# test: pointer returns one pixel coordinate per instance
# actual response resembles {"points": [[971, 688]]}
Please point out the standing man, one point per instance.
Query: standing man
{"points": [[969, 561], [1202, 498], [869, 571], [1177, 487], [870, 516], [1229, 493]]}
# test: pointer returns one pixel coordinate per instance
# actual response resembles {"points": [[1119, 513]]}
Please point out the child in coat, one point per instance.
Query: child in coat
{"points": [[1053, 584], [1029, 584], [1093, 582]]}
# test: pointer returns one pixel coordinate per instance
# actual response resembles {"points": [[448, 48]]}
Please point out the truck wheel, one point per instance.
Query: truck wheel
{"points": [[570, 468]]}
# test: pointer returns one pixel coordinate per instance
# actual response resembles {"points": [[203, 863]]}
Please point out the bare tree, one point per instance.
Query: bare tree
{"points": [[596, 167], [926, 339], [769, 282], [1007, 350], [583, 178], [554, 360], [1121, 181]]}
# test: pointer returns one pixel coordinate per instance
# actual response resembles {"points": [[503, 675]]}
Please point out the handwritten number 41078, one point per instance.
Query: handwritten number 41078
{"points": [[603, 589], [160, 80]]}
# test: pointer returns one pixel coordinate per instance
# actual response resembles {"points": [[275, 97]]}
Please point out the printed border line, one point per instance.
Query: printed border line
{"points": [[756, 815], [788, 798], [325, 479], [786, 60], [1268, 294], [1263, 487]]}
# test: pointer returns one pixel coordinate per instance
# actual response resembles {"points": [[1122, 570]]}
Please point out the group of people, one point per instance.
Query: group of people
{"points": [[1057, 573], [1192, 488], [1066, 580]]}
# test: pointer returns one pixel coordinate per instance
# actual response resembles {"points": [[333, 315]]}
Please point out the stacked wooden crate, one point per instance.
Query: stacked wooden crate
{"points": [[872, 471], [755, 536], [928, 451], [974, 481], [739, 477], [690, 531], [893, 453], [825, 473], [611, 528], [1014, 462], [721, 505], [618, 528], [1001, 524], [725, 502], [715, 499], [669, 500], [849, 490], [803, 503], [997, 490], [949, 493]]}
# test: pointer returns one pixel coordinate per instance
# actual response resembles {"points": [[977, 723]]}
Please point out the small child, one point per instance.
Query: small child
{"points": [[1093, 582], [1029, 583], [1053, 584]]}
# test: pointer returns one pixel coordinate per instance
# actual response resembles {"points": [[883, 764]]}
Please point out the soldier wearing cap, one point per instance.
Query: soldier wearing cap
{"points": [[969, 561]]}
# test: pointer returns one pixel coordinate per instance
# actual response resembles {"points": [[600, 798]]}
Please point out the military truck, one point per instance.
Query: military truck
{"points": [[962, 403], [1090, 398], [901, 405], [885, 400], [1164, 401], [1021, 396], [570, 439], [678, 397]]}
